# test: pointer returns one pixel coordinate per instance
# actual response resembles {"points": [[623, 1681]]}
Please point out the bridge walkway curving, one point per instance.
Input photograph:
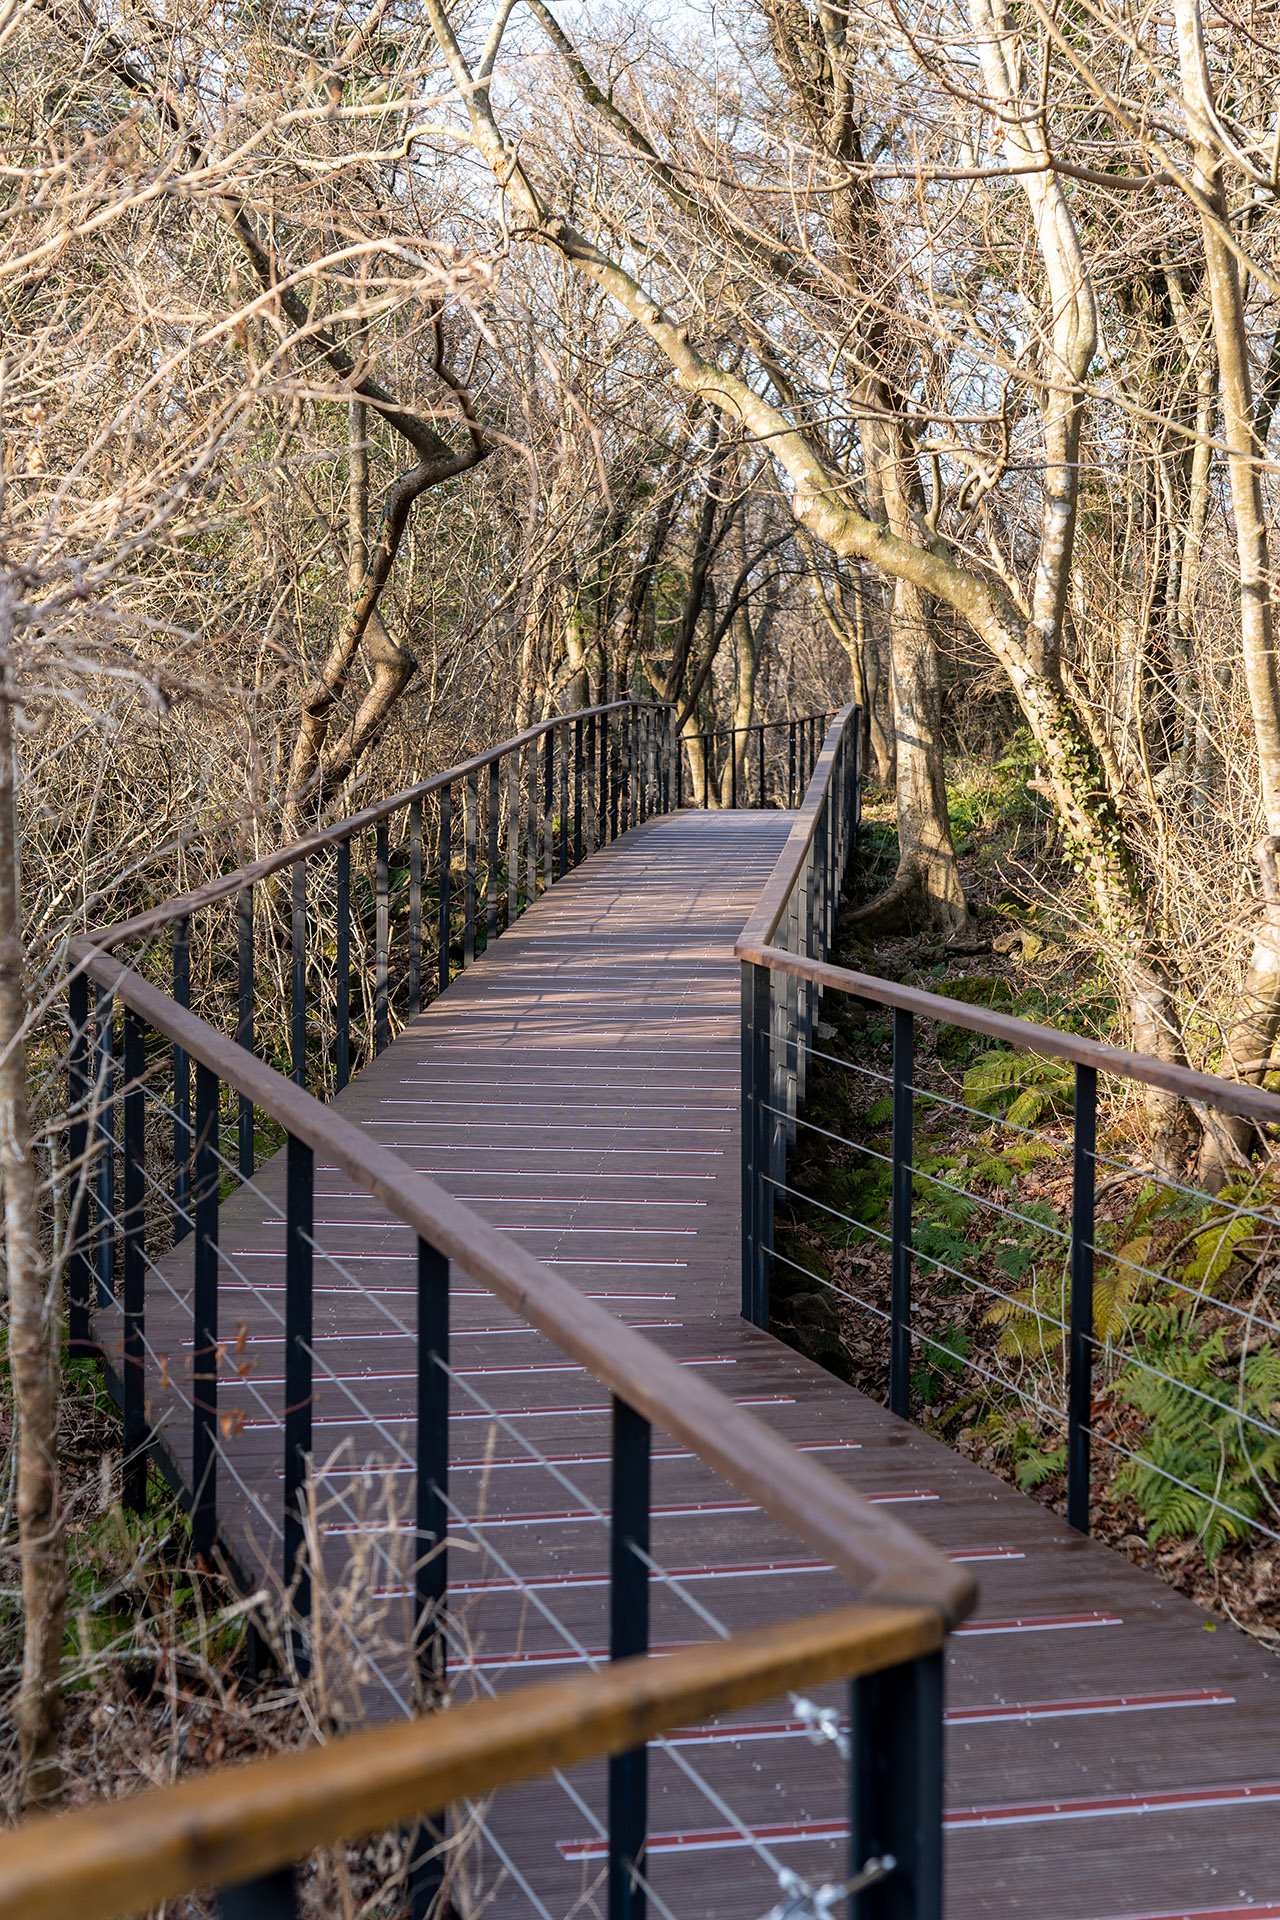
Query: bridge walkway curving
{"points": [[1112, 1754]]}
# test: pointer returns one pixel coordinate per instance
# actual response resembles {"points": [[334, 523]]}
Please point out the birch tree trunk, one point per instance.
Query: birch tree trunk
{"points": [[33, 1337]]}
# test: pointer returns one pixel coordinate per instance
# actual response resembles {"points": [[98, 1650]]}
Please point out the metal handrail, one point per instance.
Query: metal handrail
{"points": [[243, 1823], [898, 1712], [777, 1026], [182, 906], [1188, 1083], [883, 1560], [785, 970], [796, 856]]}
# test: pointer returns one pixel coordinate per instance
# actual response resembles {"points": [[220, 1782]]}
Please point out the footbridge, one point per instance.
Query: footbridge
{"points": [[426, 1233]]}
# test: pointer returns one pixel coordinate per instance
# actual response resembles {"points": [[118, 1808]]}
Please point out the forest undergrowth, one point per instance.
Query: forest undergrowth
{"points": [[170, 1670], [1186, 1460]]}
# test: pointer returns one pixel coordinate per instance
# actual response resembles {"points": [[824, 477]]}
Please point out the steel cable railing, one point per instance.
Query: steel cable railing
{"points": [[171, 1117], [644, 1385], [1095, 1321]]}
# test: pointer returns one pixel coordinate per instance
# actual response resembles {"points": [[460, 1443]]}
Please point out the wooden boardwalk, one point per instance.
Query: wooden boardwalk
{"points": [[1111, 1752]]}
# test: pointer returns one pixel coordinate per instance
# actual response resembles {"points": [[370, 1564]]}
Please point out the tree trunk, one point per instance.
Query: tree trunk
{"points": [[33, 1338], [926, 888], [745, 669], [1252, 1033]]}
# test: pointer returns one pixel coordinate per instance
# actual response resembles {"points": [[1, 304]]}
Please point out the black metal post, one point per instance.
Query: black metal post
{"points": [[531, 828], [900, 1281], [593, 787], [895, 1779], [469, 829], [760, 781], [733, 767], [431, 1577], [105, 1182], [181, 1087], [562, 861], [415, 908], [548, 805], [577, 793], [244, 1025], [298, 1334], [513, 838], [757, 1210], [272, 1896], [381, 937], [342, 984], [134, 1279], [606, 785], [444, 856], [1080, 1367], [79, 1270], [431, 1581], [298, 973], [628, 1634], [204, 1330], [491, 859]]}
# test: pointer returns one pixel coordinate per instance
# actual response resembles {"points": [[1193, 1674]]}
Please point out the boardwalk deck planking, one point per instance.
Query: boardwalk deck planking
{"points": [[1111, 1752]]}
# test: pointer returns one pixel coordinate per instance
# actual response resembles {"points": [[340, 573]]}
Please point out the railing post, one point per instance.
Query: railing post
{"points": [[562, 861], [272, 1896], [415, 908], [444, 855], [244, 1025], [733, 767], [513, 838], [134, 1278], [611, 724], [548, 806], [431, 1582], [381, 937], [204, 1329], [298, 972], [181, 1086], [79, 1271], [431, 1576], [577, 792], [593, 789], [342, 982], [760, 781], [791, 764], [1080, 1366], [900, 1281], [895, 1777], [470, 830], [628, 1635], [532, 830], [298, 1334], [756, 1052], [105, 1072], [491, 855]]}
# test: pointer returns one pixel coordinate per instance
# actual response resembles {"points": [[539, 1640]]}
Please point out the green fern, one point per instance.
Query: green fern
{"points": [[1201, 1470], [880, 1110], [1035, 1466], [1022, 1087]]}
